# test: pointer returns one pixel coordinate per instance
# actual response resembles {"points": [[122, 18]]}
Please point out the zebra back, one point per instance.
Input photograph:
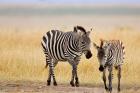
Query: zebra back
{"points": [[116, 50]]}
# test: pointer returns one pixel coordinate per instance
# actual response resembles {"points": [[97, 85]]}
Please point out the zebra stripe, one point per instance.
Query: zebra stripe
{"points": [[65, 46], [115, 55]]}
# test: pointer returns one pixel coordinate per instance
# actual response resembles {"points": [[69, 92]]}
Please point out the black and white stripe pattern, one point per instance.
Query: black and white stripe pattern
{"points": [[65, 46], [110, 54]]}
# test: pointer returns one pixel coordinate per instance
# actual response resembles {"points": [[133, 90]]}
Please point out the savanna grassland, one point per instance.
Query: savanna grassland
{"points": [[22, 60]]}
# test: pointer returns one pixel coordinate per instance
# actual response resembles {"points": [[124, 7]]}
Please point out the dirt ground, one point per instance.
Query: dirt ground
{"points": [[30, 87]]}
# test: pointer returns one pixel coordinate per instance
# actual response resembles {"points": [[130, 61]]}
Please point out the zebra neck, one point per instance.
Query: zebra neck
{"points": [[73, 46], [110, 57]]}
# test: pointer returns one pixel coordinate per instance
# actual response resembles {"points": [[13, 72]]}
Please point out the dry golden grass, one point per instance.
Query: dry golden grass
{"points": [[22, 58]]}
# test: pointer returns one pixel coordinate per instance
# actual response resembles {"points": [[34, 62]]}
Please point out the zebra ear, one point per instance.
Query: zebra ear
{"points": [[96, 46], [102, 42], [75, 29]]}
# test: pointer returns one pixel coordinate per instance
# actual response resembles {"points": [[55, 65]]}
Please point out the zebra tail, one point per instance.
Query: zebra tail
{"points": [[46, 65]]}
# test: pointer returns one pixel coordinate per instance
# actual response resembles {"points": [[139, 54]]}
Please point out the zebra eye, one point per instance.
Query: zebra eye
{"points": [[83, 42]]}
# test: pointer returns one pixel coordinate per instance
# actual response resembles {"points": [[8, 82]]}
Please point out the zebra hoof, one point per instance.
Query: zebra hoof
{"points": [[119, 89], [54, 83], [77, 84], [48, 82], [106, 88], [110, 90], [72, 83]]}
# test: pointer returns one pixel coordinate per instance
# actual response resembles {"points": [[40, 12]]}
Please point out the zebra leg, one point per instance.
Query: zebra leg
{"points": [[119, 77], [52, 73], [76, 77], [49, 75], [54, 81], [104, 79], [48, 63], [72, 78], [49, 78], [110, 79]]}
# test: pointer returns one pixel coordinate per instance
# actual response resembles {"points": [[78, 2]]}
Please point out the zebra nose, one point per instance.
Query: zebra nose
{"points": [[88, 55], [101, 68]]}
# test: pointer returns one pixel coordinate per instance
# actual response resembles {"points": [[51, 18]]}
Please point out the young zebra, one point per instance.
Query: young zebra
{"points": [[66, 46], [110, 54]]}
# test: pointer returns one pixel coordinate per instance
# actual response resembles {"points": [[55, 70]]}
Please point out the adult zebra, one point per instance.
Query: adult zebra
{"points": [[66, 46], [110, 54]]}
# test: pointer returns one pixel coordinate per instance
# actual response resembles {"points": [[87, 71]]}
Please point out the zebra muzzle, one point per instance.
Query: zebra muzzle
{"points": [[101, 68], [88, 54]]}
